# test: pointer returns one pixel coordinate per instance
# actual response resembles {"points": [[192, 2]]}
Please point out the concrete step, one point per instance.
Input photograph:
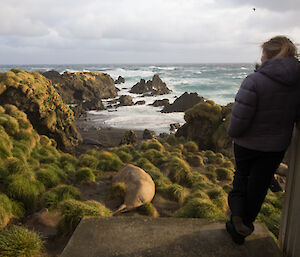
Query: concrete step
{"points": [[163, 237]]}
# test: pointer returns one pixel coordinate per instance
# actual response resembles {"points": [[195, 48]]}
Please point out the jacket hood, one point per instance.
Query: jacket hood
{"points": [[285, 70]]}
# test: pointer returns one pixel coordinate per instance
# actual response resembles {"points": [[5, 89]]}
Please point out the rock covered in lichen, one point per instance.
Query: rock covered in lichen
{"points": [[36, 96]]}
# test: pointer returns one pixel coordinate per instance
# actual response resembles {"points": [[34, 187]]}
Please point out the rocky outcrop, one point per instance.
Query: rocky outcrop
{"points": [[163, 102], [174, 126], [120, 80], [155, 87], [129, 138], [140, 102], [148, 134], [184, 102], [36, 96], [125, 100], [206, 124], [77, 87]]}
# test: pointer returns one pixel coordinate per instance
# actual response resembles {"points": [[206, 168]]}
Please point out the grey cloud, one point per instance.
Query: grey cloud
{"points": [[274, 5]]}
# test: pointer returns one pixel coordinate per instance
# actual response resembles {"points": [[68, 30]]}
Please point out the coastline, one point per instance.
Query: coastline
{"points": [[100, 137]]}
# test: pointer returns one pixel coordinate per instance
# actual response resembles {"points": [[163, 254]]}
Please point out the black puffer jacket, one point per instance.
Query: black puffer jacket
{"points": [[267, 106]]}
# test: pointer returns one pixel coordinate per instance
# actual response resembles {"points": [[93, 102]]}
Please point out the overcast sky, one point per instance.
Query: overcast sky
{"points": [[141, 31]]}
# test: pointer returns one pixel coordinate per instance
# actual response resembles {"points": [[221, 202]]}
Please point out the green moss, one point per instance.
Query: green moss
{"points": [[19, 241], [72, 211], [60, 193], [90, 161], [173, 140], [224, 174], [109, 161], [179, 171], [84, 175], [200, 208], [148, 209]]}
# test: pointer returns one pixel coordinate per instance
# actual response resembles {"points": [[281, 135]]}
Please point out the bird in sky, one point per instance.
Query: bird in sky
{"points": [[254, 9]]}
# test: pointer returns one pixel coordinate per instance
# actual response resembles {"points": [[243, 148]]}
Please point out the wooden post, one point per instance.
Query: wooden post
{"points": [[289, 236]]}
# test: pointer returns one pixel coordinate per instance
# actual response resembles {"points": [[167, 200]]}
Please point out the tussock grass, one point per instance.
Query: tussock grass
{"points": [[73, 211], [47, 177], [155, 156], [58, 194], [25, 190], [224, 174], [109, 161], [191, 146], [90, 161], [152, 144], [177, 192], [179, 171], [195, 160], [10, 124], [6, 210], [200, 208], [19, 241], [84, 175], [148, 209], [118, 190]]}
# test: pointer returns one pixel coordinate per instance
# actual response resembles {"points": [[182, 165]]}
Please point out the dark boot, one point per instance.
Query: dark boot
{"points": [[235, 236]]}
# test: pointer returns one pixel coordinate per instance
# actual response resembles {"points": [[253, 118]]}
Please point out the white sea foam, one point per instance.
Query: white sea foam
{"points": [[137, 117], [130, 73]]}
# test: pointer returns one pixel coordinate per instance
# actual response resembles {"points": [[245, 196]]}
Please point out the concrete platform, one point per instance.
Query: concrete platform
{"points": [[163, 237]]}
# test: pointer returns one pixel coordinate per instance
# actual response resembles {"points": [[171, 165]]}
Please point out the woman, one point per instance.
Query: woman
{"points": [[261, 124]]}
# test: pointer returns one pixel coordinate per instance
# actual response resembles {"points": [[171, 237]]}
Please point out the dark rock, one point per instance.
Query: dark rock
{"points": [[163, 102], [174, 126], [140, 102], [118, 89], [164, 135], [148, 134], [77, 87], [125, 100], [120, 80], [154, 87], [78, 111], [128, 138], [184, 102], [94, 104]]}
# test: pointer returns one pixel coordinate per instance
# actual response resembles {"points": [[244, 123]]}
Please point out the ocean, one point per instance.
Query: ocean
{"points": [[218, 82]]}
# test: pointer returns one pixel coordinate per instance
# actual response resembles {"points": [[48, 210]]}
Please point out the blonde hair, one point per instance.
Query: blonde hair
{"points": [[279, 46]]}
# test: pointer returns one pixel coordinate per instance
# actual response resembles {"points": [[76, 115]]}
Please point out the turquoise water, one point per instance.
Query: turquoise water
{"points": [[218, 82]]}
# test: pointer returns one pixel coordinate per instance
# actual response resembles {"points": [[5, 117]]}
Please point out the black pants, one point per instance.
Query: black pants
{"points": [[253, 175]]}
